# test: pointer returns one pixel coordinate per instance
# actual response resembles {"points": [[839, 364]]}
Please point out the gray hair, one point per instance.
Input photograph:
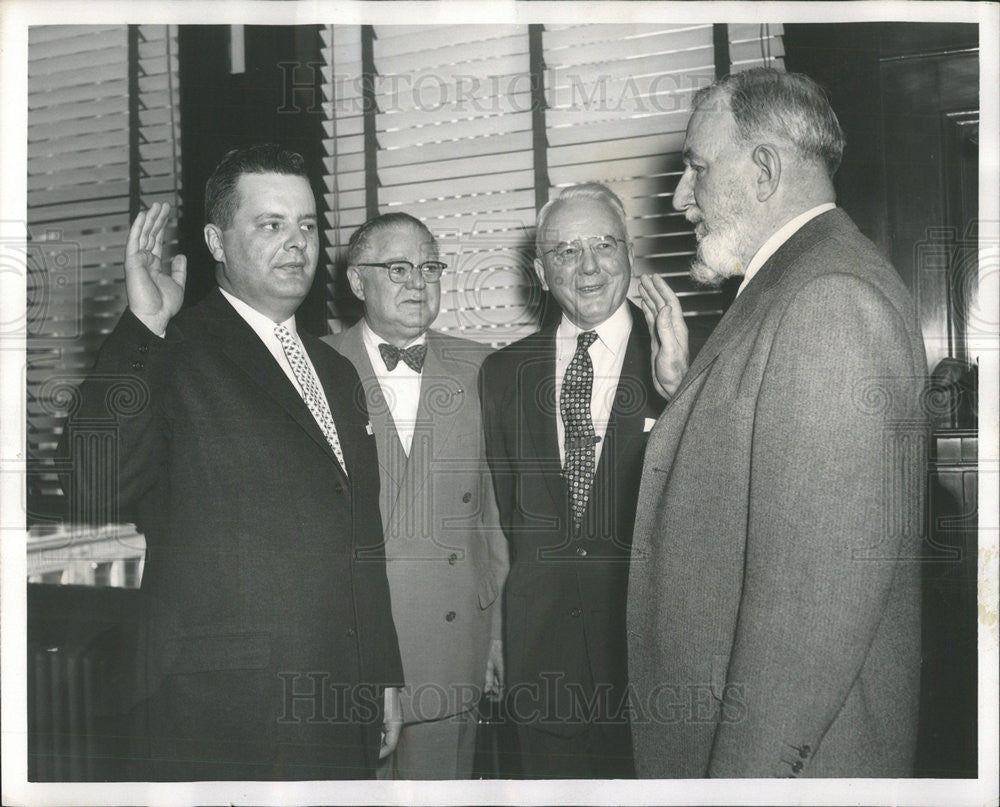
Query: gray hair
{"points": [[765, 101], [585, 190], [361, 238]]}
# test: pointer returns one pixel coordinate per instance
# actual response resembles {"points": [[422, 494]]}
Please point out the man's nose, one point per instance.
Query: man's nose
{"points": [[683, 194], [588, 263], [415, 280], [296, 239]]}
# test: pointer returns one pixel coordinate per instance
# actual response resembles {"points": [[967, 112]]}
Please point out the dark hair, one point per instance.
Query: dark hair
{"points": [[263, 158], [765, 101], [362, 236]]}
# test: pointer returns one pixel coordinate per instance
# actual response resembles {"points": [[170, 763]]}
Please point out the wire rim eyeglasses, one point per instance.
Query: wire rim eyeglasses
{"points": [[603, 247]]}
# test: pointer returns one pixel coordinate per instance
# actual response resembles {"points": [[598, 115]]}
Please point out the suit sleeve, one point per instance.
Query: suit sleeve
{"points": [[496, 544], [116, 438], [497, 455], [826, 522]]}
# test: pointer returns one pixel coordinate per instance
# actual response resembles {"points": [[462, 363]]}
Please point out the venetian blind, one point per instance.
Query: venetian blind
{"points": [[456, 147], [78, 208]]}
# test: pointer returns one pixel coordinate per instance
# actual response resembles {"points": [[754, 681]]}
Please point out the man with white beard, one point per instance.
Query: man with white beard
{"points": [[773, 618]]}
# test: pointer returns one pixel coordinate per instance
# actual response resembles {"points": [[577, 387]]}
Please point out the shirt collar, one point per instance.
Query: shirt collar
{"points": [[769, 247], [261, 323], [613, 333], [373, 340]]}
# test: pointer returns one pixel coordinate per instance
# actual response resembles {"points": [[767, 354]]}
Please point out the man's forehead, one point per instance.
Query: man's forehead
{"points": [[708, 129], [401, 236], [573, 218], [271, 193]]}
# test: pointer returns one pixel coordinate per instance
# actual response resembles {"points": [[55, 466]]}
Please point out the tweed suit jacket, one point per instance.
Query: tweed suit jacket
{"points": [[446, 556], [268, 632], [774, 604], [565, 596]]}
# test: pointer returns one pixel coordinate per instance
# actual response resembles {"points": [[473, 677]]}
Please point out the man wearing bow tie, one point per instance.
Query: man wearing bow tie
{"points": [[446, 555]]}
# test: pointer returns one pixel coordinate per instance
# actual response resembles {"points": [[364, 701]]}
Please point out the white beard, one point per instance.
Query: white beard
{"points": [[719, 253]]}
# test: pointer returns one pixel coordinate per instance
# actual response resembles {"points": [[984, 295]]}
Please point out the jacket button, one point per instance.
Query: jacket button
{"points": [[338, 488], [452, 558], [144, 348], [797, 766], [137, 364], [575, 613], [350, 633], [467, 497], [581, 552], [450, 616]]}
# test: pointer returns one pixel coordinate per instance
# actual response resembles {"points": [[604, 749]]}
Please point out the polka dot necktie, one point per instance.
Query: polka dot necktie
{"points": [[312, 392], [579, 435]]}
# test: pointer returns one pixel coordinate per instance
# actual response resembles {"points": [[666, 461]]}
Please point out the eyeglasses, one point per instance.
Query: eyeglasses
{"points": [[604, 247], [399, 271]]}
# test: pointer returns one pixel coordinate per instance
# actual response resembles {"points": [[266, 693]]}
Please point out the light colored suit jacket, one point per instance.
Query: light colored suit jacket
{"points": [[446, 556], [774, 604]]}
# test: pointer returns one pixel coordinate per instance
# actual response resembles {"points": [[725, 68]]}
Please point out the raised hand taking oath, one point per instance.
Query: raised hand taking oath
{"points": [[154, 293], [668, 333]]}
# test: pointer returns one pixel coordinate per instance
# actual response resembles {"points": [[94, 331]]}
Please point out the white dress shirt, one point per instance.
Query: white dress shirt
{"points": [[401, 387], [769, 247], [263, 326], [607, 355]]}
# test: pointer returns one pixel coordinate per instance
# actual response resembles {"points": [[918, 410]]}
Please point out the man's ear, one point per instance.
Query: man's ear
{"points": [[768, 163], [213, 239], [540, 271], [354, 278]]}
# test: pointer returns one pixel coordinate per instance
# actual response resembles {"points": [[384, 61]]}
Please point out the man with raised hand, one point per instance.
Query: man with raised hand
{"points": [[446, 557], [774, 597], [268, 649]]}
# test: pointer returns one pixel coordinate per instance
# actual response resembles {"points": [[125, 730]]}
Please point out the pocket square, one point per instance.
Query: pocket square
{"points": [[648, 424], [368, 428]]}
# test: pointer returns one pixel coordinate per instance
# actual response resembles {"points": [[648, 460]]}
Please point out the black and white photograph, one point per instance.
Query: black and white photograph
{"points": [[499, 403]]}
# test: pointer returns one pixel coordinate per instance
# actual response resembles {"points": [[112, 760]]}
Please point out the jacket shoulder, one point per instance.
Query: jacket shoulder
{"points": [[467, 351]]}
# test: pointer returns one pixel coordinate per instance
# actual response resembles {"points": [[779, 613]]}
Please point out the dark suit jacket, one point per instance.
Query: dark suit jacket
{"points": [[565, 594], [774, 610], [446, 557], [253, 590]]}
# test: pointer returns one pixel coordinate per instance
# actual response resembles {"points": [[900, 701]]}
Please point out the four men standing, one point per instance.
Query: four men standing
{"points": [[772, 623]]}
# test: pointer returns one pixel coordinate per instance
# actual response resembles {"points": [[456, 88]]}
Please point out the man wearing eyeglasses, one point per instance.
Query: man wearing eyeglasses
{"points": [[566, 412], [445, 553]]}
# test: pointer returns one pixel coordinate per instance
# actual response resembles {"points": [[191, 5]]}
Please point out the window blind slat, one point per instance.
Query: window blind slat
{"points": [[78, 198]]}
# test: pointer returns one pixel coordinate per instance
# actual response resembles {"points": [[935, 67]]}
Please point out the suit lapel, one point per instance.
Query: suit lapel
{"points": [[392, 458], [635, 398], [241, 345], [538, 401]]}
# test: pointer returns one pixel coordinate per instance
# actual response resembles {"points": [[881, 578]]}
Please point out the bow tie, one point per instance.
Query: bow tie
{"points": [[413, 357]]}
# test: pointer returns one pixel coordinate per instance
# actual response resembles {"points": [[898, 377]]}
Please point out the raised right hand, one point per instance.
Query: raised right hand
{"points": [[154, 295], [667, 331]]}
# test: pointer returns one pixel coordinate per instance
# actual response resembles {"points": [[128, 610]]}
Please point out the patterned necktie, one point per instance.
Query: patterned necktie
{"points": [[413, 356], [579, 436], [312, 392]]}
